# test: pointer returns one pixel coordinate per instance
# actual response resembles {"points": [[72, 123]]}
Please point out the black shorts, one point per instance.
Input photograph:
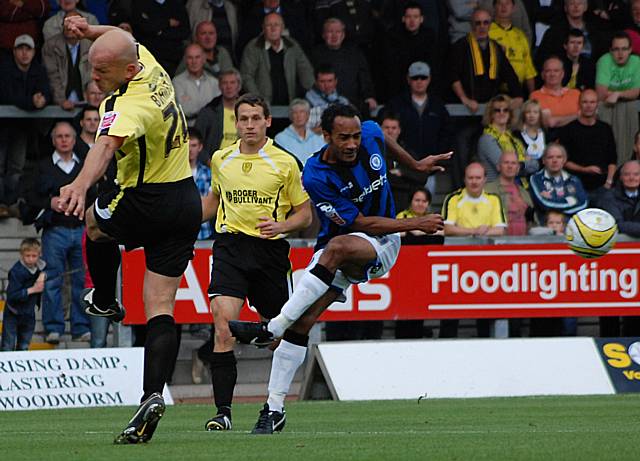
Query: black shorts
{"points": [[252, 268], [162, 218]]}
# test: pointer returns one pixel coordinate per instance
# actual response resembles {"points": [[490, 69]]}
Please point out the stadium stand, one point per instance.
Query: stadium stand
{"points": [[381, 18]]}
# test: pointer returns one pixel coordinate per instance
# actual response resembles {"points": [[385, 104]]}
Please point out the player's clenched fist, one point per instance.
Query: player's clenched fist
{"points": [[76, 25], [430, 223]]}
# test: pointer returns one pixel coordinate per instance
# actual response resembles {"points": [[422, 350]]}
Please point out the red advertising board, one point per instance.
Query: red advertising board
{"points": [[434, 282]]}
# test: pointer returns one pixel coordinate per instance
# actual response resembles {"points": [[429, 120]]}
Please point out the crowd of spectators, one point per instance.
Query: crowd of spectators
{"points": [[559, 80]]}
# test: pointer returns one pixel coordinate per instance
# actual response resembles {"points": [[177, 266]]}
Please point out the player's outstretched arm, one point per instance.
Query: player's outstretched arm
{"points": [[428, 164], [299, 219], [377, 225], [210, 204], [72, 196], [80, 28]]}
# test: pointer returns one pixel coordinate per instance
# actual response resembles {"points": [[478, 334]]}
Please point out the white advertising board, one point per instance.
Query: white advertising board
{"points": [[69, 378], [463, 368]]}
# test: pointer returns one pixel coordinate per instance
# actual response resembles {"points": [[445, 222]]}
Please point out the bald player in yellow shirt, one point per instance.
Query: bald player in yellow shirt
{"points": [[258, 197], [155, 205]]}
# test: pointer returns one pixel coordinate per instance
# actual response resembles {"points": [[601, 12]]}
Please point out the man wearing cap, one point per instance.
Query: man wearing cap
{"points": [[24, 84], [426, 127]]}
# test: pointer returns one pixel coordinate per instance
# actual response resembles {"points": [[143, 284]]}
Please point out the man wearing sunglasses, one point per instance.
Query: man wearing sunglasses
{"points": [[479, 70], [426, 125]]}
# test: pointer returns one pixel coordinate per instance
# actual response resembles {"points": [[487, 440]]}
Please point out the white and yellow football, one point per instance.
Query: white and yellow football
{"points": [[591, 233]]}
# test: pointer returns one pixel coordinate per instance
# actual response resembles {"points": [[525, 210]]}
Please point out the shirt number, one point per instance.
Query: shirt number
{"points": [[172, 140]]}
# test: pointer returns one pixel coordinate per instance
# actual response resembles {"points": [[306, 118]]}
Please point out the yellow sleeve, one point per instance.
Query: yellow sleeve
{"points": [[293, 185], [214, 173], [498, 217], [450, 210], [121, 119]]}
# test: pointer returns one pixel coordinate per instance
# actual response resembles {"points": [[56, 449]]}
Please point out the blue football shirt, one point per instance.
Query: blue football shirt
{"points": [[341, 192]]}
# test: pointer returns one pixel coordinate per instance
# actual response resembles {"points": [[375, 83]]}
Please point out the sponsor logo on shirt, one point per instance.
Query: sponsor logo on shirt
{"points": [[247, 196], [108, 119], [331, 213], [374, 186]]}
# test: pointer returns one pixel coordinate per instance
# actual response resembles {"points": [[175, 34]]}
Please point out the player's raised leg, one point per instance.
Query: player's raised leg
{"points": [[348, 251], [103, 261]]}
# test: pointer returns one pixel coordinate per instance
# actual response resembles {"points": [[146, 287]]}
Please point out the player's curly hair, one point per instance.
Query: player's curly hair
{"points": [[337, 110]]}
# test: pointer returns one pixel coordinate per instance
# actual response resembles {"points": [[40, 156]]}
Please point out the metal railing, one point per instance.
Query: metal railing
{"points": [[56, 112]]}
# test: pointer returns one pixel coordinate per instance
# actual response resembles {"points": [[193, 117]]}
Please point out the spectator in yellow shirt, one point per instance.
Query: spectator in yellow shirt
{"points": [[514, 42]]}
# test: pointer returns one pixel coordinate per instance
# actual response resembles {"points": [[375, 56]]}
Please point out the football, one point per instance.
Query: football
{"points": [[591, 233]]}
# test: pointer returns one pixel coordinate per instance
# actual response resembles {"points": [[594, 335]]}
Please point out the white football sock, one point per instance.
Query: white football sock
{"points": [[308, 290], [287, 358]]}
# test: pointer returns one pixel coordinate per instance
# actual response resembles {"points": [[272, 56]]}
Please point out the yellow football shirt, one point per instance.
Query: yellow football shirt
{"points": [[145, 112], [462, 210], [404, 214], [267, 183], [516, 47], [229, 131]]}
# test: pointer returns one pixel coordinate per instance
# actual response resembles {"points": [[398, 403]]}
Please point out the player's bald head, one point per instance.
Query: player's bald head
{"points": [[114, 59], [116, 45]]}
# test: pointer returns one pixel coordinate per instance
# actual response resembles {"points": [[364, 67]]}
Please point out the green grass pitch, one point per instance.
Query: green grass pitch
{"points": [[541, 428]]}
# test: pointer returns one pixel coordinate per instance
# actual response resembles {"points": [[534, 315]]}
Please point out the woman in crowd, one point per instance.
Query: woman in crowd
{"points": [[497, 137], [419, 206]]}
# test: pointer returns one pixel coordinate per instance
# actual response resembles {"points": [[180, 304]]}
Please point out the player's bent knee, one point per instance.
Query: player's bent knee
{"points": [[336, 252], [93, 231]]}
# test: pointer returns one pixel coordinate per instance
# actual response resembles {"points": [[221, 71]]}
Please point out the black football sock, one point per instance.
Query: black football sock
{"points": [[223, 379], [103, 260], [159, 353]]}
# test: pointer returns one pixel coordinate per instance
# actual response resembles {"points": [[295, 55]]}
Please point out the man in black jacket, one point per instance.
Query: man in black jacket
{"points": [[161, 27], [623, 204], [426, 125], [216, 121], [596, 32], [478, 69], [350, 64], [406, 43], [579, 70], [25, 85], [61, 236], [622, 200]]}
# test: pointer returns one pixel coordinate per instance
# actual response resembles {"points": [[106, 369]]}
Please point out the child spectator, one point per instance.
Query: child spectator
{"points": [[26, 282], [531, 131], [556, 221]]}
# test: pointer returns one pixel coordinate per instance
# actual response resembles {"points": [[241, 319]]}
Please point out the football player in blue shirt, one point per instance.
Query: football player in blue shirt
{"points": [[358, 240]]}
